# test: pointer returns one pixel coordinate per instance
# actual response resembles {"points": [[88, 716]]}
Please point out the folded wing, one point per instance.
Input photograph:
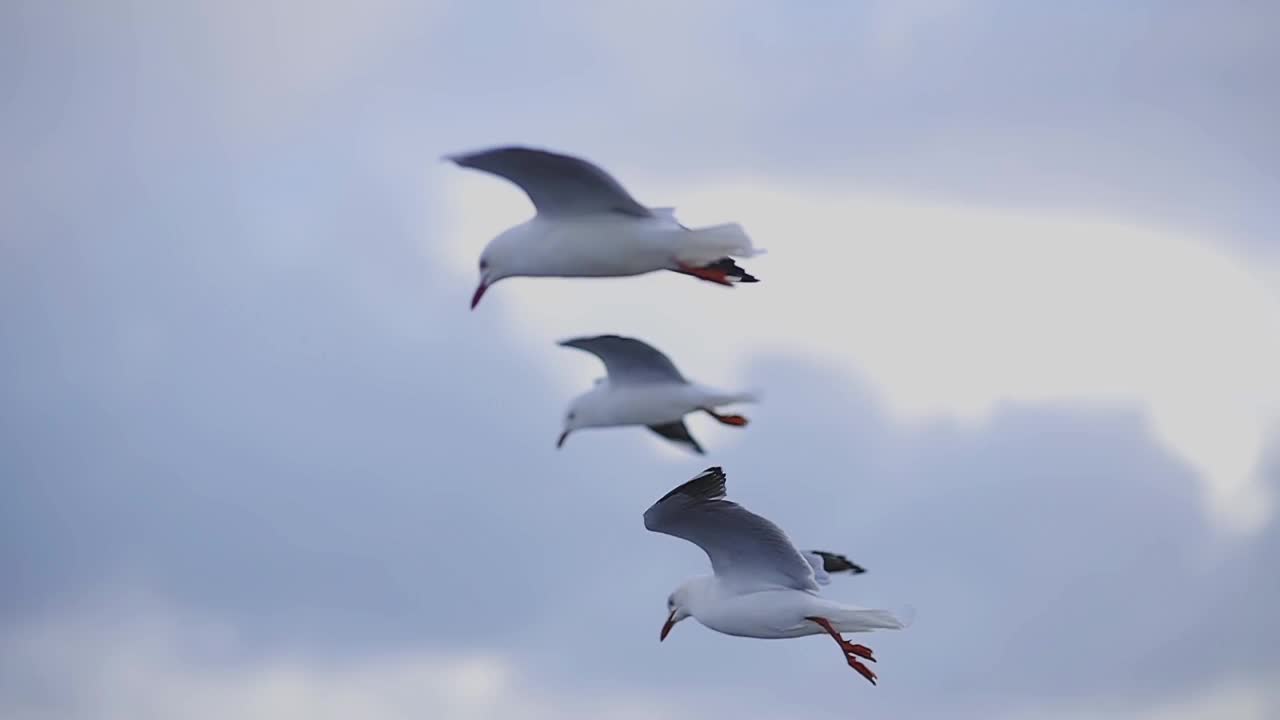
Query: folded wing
{"points": [[677, 432]]}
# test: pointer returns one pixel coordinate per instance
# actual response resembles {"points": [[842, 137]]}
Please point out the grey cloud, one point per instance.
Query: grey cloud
{"points": [[1145, 112], [231, 377], [281, 456], [1149, 113]]}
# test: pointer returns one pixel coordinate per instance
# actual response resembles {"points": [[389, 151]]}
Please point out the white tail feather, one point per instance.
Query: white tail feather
{"points": [[717, 398], [857, 620], [709, 244]]}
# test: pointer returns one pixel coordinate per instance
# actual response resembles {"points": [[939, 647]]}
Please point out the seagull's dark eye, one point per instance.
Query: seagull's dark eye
{"points": [[571, 416], [484, 264]]}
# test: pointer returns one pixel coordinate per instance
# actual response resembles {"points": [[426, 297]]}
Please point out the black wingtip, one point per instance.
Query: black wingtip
{"points": [[468, 158], [833, 563], [575, 343], [721, 272], [571, 342], [461, 159], [707, 485], [733, 270], [465, 158]]}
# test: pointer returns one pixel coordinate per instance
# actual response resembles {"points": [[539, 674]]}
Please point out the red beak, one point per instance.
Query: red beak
{"points": [[475, 299], [666, 627], [563, 436]]}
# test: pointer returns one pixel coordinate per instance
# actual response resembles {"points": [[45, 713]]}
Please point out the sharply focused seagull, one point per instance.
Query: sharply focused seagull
{"points": [[763, 587], [643, 387], [587, 225]]}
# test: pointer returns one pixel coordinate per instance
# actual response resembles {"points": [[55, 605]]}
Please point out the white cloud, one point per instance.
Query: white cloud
{"points": [[948, 310], [159, 664], [143, 661], [1259, 700]]}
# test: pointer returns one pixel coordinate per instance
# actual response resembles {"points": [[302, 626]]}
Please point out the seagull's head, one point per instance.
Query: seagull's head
{"points": [[489, 274], [507, 255], [585, 411], [678, 605]]}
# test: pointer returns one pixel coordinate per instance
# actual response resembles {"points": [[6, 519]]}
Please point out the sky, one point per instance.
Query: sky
{"points": [[1015, 336]]}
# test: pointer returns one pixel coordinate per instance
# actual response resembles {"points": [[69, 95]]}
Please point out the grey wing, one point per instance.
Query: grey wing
{"points": [[628, 360], [746, 550], [557, 184], [678, 432]]}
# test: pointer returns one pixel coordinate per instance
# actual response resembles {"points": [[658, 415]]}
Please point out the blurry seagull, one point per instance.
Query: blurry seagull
{"points": [[643, 387], [763, 587], [587, 225]]}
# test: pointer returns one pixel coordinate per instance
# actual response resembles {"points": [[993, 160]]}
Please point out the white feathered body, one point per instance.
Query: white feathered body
{"points": [[779, 613], [617, 404], [611, 245]]}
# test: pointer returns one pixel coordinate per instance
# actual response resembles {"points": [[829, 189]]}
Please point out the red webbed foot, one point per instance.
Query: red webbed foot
{"points": [[852, 651], [734, 420], [710, 274]]}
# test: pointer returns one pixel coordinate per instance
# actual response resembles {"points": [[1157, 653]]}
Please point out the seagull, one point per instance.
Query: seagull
{"points": [[587, 225], [643, 387], [763, 587]]}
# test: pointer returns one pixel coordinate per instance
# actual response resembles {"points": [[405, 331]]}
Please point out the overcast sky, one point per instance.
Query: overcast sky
{"points": [[1017, 333]]}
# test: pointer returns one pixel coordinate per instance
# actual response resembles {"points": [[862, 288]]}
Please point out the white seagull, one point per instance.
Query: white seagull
{"points": [[643, 387], [587, 225], [763, 587]]}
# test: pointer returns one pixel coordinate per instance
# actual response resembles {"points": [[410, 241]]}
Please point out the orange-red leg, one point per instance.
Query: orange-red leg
{"points": [[852, 651], [717, 276], [734, 420]]}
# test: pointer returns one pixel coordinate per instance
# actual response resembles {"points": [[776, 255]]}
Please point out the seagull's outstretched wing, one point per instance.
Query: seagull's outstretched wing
{"points": [[557, 184], [627, 360], [824, 563], [746, 550]]}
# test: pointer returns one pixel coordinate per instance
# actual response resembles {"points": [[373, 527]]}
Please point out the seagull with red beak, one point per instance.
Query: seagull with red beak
{"points": [[587, 225], [644, 389], [761, 586]]}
